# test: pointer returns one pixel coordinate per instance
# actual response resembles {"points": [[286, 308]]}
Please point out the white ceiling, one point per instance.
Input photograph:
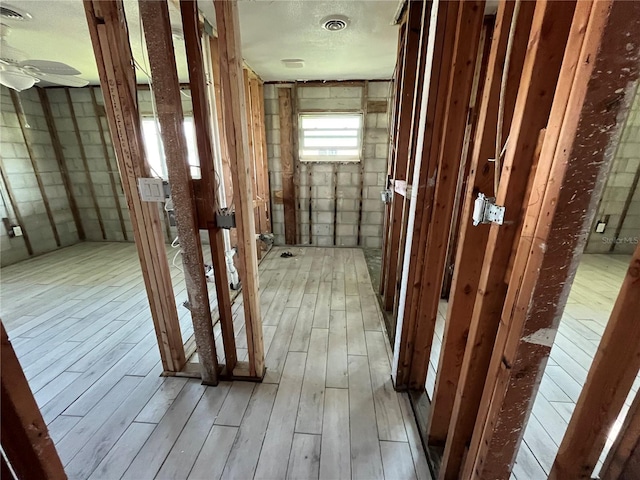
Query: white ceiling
{"points": [[270, 31]]}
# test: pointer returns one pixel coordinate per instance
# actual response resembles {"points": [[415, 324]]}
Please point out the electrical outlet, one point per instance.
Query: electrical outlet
{"points": [[600, 227], [17, 231]]}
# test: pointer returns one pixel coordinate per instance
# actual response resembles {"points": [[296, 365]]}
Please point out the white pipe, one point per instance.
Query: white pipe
{"points": [[414, 187]]}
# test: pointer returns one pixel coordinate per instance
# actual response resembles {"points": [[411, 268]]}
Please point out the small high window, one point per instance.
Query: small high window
{"points": [[335, 137]]}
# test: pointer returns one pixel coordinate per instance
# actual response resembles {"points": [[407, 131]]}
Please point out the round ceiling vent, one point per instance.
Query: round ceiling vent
{"points": [[13, 13], [335, 23]]}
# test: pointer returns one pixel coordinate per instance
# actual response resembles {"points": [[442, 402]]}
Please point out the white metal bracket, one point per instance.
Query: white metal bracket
{"points": [[486, 211]]}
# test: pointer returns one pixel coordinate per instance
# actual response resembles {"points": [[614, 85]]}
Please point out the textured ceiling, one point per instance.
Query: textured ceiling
{"points": [[270, 31]]}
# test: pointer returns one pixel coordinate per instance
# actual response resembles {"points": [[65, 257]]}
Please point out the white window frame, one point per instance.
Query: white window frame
{"points": [[330, 158]]}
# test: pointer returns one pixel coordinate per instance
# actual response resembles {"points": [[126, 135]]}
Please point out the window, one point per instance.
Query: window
{"points": [[335, 137], [155, 152]]}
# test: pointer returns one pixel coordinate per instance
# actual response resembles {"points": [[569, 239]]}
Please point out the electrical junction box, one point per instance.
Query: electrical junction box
{"points": [[225, 218]]}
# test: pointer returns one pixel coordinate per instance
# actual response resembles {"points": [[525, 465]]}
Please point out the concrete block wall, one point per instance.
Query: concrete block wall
{"points": [[22, 181], [625, 167], [326, 187], [99, 173]]}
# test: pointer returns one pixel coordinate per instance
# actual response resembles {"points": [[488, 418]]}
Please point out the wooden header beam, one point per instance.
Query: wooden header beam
{"points": [[110, 41], [606, 72], [235, 131], [166, 91]]}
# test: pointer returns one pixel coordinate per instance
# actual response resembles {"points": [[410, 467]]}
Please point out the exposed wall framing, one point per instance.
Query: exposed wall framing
{"points": [[110, 41], [235, 131]]}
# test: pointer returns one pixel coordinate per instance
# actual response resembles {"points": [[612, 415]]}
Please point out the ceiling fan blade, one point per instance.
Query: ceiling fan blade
{"points": [[49, 67], [65, 80], [11, 54]]}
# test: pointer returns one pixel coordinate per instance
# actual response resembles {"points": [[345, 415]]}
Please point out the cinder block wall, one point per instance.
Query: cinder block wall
{"points": [[625, 168], [101, 168], [322, 184], [21, 179], [98, 173]]}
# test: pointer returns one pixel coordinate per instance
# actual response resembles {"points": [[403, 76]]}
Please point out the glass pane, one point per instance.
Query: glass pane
{"points": [[330, 142], [331, 153], [331, 133], [330, 121], [152, 146]]}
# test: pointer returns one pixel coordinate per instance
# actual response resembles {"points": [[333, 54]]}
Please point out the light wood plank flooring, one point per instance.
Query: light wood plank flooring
{"points": [[79, 321]]}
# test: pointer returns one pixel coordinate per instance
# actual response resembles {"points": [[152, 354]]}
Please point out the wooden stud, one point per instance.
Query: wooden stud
{"points": [[266, 192], [252, 152], [202, 124], [166, 91], [467, 148], [87, 170], [599, 75], [432, 134], [36, 171], [531, 113], [473, 239], [98, 112], [623, 460], [25, 439], [15, 208], [402, 141], [236, 135], [393, 130], [260, 155], [335, 204], [286, 159], [365, 95], [469, 25], [110, 41], [60, 160]]}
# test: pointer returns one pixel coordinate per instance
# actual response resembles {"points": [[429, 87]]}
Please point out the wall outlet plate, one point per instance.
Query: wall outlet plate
{"points": [[17, 231], [600, 227], [151, 189]]}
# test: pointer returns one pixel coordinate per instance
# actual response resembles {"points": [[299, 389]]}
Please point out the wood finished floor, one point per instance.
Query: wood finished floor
{"points": [[79, 321]]}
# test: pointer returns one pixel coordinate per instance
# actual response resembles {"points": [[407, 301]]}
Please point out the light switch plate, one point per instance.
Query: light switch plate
{"points": [[151, 189]]}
